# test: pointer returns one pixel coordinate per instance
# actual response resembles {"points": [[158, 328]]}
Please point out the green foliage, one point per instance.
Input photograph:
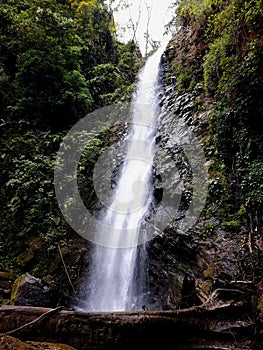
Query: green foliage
{"points": [[226, 39], [207, 230], [59, 60], [216, 187], [50, 57], [29, 209], [217, 61], [189, 11], [252, 184], [232, 225]]}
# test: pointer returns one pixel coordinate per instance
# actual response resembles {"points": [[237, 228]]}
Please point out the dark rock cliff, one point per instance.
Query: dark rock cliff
{"points": [[186, 267]]}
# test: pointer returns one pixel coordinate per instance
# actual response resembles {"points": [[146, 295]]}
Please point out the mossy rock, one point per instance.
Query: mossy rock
{"points": [[210, 271], [9, 343], [259, 297], [15, 289], [6, 282], [31, 291], [51, 346]]}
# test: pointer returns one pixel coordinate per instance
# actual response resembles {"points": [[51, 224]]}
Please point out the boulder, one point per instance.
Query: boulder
{"points": [[28, 290]]}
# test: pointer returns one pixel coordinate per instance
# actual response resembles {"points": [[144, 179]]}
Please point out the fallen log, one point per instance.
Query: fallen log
{"points": [[223, 321], [35, 322]]}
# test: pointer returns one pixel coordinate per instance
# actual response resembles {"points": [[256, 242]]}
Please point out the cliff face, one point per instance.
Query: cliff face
{"points": [[213, 83], [216, 57], [187, 266]]}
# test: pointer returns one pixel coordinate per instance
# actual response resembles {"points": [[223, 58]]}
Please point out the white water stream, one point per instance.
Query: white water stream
{"points": [[113, 283]]}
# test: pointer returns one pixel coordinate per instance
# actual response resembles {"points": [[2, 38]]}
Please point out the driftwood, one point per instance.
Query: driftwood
{"points": [[223, 321]]}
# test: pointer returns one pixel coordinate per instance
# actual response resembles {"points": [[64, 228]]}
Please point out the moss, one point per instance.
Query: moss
{"points": [[233, 225], [206, 287], [210, 271], [51, 346], [207, 230], [8, 343], [15, 289], [258, 299]]}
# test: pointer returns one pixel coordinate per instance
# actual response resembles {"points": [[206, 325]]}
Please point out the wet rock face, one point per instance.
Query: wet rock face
{"points": [[172, 272], [173, 266], [31, 291], [186, 267]]}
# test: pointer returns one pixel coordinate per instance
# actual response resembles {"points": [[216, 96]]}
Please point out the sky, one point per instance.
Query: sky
{"points": [[160, 16]]}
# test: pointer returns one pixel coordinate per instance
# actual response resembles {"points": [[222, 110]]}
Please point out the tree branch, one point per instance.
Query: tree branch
{"points": [[65, 267]]}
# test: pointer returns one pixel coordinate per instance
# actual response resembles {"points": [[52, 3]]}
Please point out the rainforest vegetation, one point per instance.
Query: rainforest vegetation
{"points": [[219, 57], [60, 60]]}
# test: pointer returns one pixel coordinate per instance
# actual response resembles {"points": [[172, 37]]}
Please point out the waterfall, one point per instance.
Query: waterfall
{"points": [[116, 280]]}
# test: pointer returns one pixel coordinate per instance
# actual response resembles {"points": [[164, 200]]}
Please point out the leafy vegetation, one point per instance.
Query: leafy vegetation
{"points": [[59, 60], [220, 49]]}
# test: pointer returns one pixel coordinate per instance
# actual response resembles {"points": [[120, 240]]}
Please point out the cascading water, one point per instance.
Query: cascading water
{"points": [[117, 276]]}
